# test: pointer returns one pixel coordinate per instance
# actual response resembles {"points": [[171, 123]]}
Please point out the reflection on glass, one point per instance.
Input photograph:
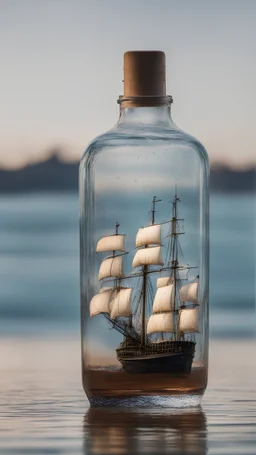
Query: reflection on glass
{"points": [[112, 431]]}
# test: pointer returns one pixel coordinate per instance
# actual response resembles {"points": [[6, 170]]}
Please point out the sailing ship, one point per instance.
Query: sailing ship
{"points": [[158, 327]]}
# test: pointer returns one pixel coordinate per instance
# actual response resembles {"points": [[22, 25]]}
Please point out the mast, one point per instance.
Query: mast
{"points": [[169, 314], [113, 302], [185, 318], [153, 211], [144, 289], [148, 237], [144, 300], [174, 256]]}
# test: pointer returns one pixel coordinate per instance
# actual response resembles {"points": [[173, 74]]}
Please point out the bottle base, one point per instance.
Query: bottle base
{"points": [[158, 401]]}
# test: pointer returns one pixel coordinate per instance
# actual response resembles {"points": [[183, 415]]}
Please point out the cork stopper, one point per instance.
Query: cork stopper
{"points": [[144, 73]]}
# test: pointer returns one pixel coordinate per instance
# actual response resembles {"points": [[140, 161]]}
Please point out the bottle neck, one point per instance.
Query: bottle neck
{"points": [[154, 111]]}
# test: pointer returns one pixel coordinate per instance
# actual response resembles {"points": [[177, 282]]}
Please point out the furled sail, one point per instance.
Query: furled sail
{"points": [[189, 293], [111, 243], [188, 320], [121, 304], [164, 281], [111, 267], [164, 299], [150, 235], [148, 256], [100, 303], [162, 322]]}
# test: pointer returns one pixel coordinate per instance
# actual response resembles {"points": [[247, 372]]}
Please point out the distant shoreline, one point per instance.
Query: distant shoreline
{"points": [[55, 175]]}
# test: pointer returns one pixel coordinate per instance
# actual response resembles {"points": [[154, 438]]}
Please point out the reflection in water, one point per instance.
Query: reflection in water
{"points": [[155, 431]]}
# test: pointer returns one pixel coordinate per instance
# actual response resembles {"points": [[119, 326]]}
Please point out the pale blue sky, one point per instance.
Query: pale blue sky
{"points": [[61, 71]]}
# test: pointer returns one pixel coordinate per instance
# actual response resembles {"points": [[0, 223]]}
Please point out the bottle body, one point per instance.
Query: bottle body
{"points": [[144, 298]]}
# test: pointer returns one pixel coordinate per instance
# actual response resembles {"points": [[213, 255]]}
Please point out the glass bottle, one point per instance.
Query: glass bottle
{"points": [[144, 236]]}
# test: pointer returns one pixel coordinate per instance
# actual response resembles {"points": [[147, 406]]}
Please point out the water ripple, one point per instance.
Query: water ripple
{"points": [[43, 409]]}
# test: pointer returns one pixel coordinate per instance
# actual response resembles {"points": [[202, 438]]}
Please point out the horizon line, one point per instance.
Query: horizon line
{"points": [[63, 159]]}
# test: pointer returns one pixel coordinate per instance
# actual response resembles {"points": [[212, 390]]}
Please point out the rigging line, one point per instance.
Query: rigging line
{"points": [[179, 248], [169, 246], [151, 292], [138, 299], [141, 292], [169, 249], [169, 221], [115, 325]]}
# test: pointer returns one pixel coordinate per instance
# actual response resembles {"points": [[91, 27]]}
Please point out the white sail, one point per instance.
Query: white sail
{"points": [[148, 256], [111, 243], [121, 304], [164, 299], [104, 289], [150, 235], [100, 303], [164, 281], [111, 267], [162, 322], [189, 292], [188, 320]]}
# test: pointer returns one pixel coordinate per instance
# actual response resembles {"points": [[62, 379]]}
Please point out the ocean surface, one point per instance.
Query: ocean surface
{"points": [[43, 409], [39, 264]]}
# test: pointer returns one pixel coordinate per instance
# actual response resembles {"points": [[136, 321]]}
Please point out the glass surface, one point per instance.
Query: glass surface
{"points": [[144, 340]]}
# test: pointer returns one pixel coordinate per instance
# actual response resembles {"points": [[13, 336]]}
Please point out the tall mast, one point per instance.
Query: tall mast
{"points": [[144, 286], [174, 254], [144, 300], [153, 211]]}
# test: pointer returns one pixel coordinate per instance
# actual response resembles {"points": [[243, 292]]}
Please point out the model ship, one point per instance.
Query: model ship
{"points": [[158, 327]]}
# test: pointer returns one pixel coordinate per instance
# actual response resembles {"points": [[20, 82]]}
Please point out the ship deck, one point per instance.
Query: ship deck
{"points": [[126, 351]]}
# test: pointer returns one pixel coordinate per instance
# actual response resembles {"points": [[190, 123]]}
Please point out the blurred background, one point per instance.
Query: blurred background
{"points": [[61, 74]]}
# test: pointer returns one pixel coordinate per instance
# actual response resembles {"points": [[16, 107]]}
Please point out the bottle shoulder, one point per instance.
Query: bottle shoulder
{"points": [[196, 145], [125, 136], [96, 145]]}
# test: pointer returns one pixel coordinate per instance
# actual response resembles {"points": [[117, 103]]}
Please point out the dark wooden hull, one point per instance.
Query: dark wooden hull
{"points": [[166, 357]]}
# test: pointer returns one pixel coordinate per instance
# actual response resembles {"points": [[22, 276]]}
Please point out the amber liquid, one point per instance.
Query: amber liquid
{"points": [[119, 384]]}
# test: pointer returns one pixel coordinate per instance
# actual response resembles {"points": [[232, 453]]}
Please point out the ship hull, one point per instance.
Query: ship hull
{"points": [[170, 357]]}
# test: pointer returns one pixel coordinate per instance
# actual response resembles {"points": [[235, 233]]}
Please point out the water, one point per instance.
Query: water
{"points": [[43, 408], [39, 264]]}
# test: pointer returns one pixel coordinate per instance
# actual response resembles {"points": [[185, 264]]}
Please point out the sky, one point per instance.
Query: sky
{"points": [[62, 70]]}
